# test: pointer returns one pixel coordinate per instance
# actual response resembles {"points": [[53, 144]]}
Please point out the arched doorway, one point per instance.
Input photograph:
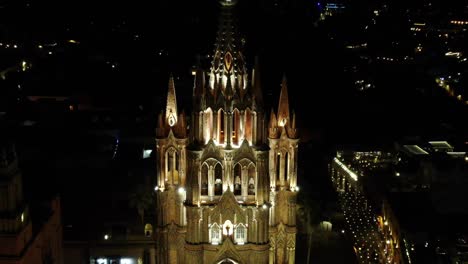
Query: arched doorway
{"points": [[228, 261]]}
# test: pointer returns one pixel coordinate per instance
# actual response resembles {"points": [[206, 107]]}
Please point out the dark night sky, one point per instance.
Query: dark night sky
{"points": [[131, 35]]}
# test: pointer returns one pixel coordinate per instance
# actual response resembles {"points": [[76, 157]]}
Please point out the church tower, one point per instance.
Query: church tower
{"points": [[283, 142], [15, 225], [219, 197], [171, 143]]}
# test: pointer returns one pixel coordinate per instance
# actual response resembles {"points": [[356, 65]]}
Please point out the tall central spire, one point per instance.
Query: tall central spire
{"points": [[228, 71]]}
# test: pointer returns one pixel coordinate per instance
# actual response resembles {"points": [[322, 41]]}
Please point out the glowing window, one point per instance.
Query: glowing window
{"points": [[215, 234], [204, 180], [102, 261], [228, 228], [240, 234], [218, 190], [127, 261], [251, 182], [148, 230], [237, 180]]}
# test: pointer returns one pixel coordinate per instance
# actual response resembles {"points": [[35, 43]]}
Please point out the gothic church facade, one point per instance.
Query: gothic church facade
{"points": [[226, 187]]}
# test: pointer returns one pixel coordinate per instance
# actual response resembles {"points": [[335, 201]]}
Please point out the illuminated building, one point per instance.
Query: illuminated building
{"points": [[20, 242], [226, 190]]}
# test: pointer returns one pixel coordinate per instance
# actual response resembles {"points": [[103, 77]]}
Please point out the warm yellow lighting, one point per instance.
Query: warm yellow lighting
{"points": [[346, 169], [101, 261], [22, 217], [73, 41], [156, 188], [224, 80], [181, 190], [386, 223], [228, 228], [212, 80], [24, 65], [282, 122], [264, 206], [397, 174], [172, 120], [453, 54], [40, 46]]}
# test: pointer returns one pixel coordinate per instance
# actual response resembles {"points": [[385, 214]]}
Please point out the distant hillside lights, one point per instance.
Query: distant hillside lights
{"points": [[6, 45], [459, 22]]}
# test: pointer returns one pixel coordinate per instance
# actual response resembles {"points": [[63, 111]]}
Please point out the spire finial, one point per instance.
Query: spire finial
{"points": [[283, 106]]}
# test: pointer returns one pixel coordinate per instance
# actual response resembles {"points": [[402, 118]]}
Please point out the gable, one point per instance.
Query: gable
{"points": [[227, 208], [244, 152]]}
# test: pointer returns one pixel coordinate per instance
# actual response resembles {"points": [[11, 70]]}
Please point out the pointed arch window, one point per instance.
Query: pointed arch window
{"points": [[237, 179], [286, 165], [278, 167], [251, 183], [240, 234], [218, 188], [215, 234], [221, 126], [148, 230], [236, 127], [248, 125], [172, 166], [204, 180], [208, 125]]}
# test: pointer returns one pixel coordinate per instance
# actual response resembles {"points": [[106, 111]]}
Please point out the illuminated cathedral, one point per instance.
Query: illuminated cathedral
{"points": [[227, 181]]}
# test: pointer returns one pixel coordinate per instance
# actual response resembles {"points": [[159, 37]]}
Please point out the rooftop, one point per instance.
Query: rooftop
{"points": [[440, 145], [415, 150]]}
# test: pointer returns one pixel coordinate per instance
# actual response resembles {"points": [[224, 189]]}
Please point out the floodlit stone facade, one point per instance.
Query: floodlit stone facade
{"points": [[226, 182]]}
